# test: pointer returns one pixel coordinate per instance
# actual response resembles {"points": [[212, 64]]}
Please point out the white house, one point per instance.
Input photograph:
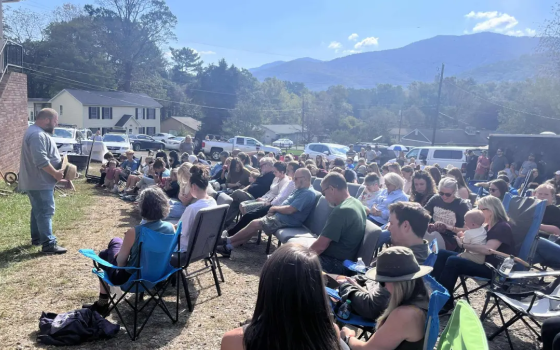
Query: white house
{"points": [[34, 105], [106, 111]]}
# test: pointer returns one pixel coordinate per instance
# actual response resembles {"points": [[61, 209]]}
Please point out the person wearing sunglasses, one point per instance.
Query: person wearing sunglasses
{"points": [[447, 210], [449, 266]]}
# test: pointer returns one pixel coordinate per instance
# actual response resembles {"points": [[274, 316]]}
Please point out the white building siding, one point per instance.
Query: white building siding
{"points": [[118, 113], [71, 109]]}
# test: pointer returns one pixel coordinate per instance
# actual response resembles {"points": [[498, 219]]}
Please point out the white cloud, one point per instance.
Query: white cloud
{"points": [[371, 41], [335, 45], [206, 53], [494, 21], [353, 37], [351, 52], [489, 14]]}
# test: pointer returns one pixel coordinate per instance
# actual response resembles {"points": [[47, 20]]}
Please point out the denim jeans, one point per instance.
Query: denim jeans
{"points": [[42, 212], [449, 267], [547, 254]]}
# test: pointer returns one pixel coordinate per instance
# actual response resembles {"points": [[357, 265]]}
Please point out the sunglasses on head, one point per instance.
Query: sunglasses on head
{"points": [[445, 194]]}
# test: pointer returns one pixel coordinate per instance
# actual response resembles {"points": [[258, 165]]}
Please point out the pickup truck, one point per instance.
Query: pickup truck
{"points": [[245, 144]]}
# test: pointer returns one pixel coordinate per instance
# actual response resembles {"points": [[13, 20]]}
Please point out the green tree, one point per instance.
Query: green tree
{"points": [[186, 65]]}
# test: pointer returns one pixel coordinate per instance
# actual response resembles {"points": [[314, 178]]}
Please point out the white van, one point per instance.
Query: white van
{"points": [[442, 155]]}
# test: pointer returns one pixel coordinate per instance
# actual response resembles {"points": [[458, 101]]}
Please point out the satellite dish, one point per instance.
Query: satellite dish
{"points": [[547, 133]]}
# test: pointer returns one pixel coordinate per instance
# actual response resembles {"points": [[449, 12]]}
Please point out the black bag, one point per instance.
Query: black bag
{"points": [[74, 327]]}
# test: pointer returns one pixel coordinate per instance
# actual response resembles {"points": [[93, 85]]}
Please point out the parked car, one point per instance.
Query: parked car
{"points": [[330, 150], [245, 144], [442, 155], [85, 134], [283, 143], [162, 136], [386, 154], [144, 142], [174, 142], [117, 143], [66, 139]]}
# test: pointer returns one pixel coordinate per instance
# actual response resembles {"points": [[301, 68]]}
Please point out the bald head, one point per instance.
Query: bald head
{"points": [[47, 119], [302, 178]]}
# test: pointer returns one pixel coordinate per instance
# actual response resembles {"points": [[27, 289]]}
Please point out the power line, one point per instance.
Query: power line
{"points": [[499, 105], [155, 98]]}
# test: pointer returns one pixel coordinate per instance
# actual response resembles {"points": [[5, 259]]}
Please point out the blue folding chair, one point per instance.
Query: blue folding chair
{"points": [[151, 276], [438, 298]]}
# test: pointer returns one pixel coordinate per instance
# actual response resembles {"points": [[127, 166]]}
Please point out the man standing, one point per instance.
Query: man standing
{"points": [[97, 136], [526, 168], [482, 167], [471, 164], [499, 163], [39, 171], [291, 213], [407, 223], [345, 228]]}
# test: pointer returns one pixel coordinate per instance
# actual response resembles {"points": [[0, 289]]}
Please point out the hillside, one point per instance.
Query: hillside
{"points": [[473, 55]]}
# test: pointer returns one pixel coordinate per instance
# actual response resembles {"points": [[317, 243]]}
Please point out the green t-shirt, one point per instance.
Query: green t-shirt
{"points": [[345, 228]]}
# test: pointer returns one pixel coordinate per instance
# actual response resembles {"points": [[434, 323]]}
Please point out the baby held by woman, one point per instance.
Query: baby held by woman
{"points": [[475, 234]]}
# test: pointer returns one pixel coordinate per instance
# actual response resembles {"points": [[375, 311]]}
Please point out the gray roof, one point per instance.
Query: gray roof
{"points": [[123, 120], [189, 122], [283, 129], [113, 99]]}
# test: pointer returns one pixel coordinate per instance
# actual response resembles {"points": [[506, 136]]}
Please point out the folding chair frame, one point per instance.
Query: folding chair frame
{"points": [[466, 292], [137, 282], [211, 262], [518, 315]]}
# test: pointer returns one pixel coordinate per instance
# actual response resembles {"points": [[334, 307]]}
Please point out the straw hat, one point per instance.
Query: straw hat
{"points": [[397, 264], [70, 170]]}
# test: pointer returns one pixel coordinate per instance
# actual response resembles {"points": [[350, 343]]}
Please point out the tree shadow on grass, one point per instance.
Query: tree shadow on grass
{"points": [[129, 217], [18, 254], [501, 341]]}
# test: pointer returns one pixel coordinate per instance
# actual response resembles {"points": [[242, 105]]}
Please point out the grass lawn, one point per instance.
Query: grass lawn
{"points": [[31, 282]]}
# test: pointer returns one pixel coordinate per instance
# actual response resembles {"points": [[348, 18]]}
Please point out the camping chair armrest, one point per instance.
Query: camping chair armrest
{"points": [[516, 259], [542, 295], [89, 253]]}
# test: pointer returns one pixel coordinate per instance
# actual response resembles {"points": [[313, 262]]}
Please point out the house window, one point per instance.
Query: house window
{"points": [[151, 113], [107, 113], [31, 116], [141, 130], [105, 130], [94, 130], [151, 130], [137, 112], [60, 111], [143, 113], [93, 112]]}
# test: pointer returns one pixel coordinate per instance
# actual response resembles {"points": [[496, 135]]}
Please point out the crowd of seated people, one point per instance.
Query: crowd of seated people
{"points": [[273, 192]]}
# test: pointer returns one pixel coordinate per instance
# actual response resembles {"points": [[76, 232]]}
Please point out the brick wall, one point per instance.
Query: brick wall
{"points": [[13, 119]]}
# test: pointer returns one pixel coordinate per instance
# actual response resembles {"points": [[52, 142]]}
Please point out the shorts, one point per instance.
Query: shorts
{"points": [[271, 224]]}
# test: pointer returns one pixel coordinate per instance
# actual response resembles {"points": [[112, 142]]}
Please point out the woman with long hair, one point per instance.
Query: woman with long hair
{"points": [[464, 190], [449, 266], [163, 156], [187, 145], [374, 168], [174, 161], [423, 187], [435, 173], [320, 162], [402, 325], [548, 250], [238, 175], [292, 310]]}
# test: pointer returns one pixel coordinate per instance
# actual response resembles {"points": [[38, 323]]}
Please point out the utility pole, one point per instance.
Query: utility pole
{"points": [[400, 124], [302, 119], [437, 106]]}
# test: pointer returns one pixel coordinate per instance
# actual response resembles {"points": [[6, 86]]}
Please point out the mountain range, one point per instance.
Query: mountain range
{"points": [[483, 57]]}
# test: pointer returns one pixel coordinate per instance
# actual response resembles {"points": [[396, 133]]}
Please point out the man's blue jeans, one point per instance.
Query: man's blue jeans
{"points": [[547, 254], [42, 212]]}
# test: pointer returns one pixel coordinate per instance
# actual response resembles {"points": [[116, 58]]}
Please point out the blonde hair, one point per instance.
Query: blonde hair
{"points": [[374, 169], [496, 207], [184, 175], [402, 291]]}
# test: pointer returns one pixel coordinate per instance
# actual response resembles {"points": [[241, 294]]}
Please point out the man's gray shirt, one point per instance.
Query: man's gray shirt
{"points": [[37, 151]]}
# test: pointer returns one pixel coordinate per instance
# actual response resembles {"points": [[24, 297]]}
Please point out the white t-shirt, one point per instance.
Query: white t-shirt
{"points": [[188, 219]]}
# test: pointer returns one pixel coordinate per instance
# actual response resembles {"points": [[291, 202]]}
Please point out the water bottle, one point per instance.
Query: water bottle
{"points": [[360, 266], [507, 265], [344, 310]]}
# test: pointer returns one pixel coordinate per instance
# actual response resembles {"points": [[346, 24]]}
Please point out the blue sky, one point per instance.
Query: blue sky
{"points": [[250, 33]]}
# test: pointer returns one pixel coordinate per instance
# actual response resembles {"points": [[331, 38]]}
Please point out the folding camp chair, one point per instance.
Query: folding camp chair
{"points": [[526, 216], [533, 305], [463, 331], [207, 229], [317, 184], [438, 298], [434, 249], [151, 276]]}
